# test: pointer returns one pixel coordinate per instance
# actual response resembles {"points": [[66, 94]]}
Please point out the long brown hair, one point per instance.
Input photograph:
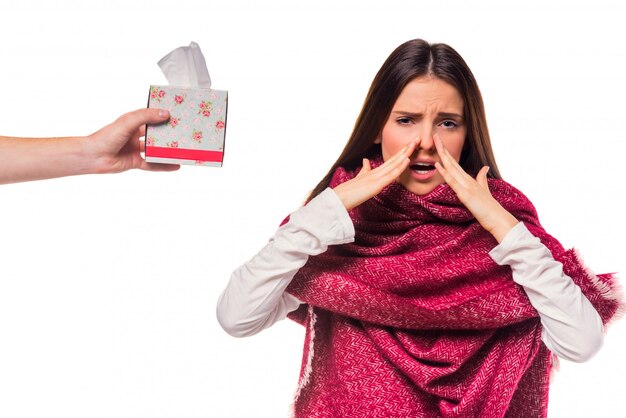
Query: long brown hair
{"points": [[413, 59]]}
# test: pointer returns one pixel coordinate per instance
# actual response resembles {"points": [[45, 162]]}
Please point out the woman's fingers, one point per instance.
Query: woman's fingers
{"points": [[454, 175], [397, 163], [444, 173], [448, 166], [367, 167], [481, 177], [462, 183], [369, 182], [392, 168], [474, 194], [452, 167]]}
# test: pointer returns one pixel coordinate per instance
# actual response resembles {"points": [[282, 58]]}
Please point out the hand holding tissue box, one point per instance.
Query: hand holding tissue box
{"points": [[195, 132]]}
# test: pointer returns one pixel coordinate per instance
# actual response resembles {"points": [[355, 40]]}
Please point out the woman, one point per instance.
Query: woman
{"points": [[447, 296]]}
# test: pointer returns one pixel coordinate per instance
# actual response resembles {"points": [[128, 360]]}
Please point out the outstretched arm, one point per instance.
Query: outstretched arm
{"points": [[112, 149]]}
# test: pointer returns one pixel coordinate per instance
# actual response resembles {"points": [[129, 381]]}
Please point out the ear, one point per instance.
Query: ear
{"points": [[378, 139]]}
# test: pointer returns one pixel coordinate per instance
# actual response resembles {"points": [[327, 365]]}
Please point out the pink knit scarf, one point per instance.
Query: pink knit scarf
{"points": [[414, 319]]}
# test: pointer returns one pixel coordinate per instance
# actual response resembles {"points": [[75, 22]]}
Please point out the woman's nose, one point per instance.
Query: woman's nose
{"points": [[426, 140]]}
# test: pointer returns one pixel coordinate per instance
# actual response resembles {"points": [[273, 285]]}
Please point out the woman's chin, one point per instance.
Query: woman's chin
{"points": [[421, 183]]}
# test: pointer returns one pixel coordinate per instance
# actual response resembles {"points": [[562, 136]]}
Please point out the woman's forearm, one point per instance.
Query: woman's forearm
{"points": [[572, 328], [255, 296]]}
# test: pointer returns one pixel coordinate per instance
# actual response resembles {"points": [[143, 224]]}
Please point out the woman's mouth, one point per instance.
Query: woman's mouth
{"points": [[422, 170]]}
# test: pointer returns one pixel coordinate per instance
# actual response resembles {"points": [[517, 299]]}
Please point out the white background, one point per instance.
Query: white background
{"points": [[108, 284]]}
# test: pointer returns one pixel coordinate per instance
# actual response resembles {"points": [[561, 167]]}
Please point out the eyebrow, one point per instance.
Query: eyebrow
{"points": [[418, 115]]}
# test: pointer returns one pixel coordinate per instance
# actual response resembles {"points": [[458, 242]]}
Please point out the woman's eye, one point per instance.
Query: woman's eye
{"points": [[448, 124], [404, 121]]}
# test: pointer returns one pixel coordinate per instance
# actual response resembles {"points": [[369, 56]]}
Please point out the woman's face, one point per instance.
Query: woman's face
{"points": [[426, 106]]}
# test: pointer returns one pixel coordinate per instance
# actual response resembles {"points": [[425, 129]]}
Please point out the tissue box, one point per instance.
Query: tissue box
{"points": [[195, 132]]}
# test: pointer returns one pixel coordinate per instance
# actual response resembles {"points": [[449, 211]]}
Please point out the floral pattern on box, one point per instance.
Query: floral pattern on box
{"points": [[195, 132]]}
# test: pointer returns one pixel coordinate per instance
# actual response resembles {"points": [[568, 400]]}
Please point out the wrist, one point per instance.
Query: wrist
{"points": [[94, 159], [343, 196], [85, 155], [502, 225]]}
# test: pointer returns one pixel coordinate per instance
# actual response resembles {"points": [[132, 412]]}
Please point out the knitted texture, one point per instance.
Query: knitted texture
{"points": [[414, 318]]}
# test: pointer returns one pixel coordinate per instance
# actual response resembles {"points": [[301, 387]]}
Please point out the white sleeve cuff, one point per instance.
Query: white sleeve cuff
{"points": [[509, 243], [326, 218]]}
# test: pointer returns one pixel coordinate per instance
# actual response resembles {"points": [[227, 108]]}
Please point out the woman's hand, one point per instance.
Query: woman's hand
{"points": [[474, 194], [368, 183]]}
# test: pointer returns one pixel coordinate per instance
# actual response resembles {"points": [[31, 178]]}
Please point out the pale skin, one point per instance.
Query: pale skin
{"points": [[418, 111], [112, 149]]}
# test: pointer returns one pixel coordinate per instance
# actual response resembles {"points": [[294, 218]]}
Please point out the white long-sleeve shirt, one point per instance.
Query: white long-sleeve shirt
{"points": [[255, 296]]}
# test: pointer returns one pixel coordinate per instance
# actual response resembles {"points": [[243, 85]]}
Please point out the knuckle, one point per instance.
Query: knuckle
{"points": [[126, 118]]}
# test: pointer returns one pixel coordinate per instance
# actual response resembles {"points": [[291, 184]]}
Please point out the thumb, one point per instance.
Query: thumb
{"points": [[481, 177], [366, 167], [131, 121]]}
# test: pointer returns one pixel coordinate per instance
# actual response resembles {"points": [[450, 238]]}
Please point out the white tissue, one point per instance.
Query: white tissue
{"points": [[186, 67]]}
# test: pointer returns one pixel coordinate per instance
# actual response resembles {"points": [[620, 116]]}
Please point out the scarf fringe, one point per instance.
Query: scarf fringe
{"points": [[366, 368], [611, 290], [306, 374], [555, 366]]}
